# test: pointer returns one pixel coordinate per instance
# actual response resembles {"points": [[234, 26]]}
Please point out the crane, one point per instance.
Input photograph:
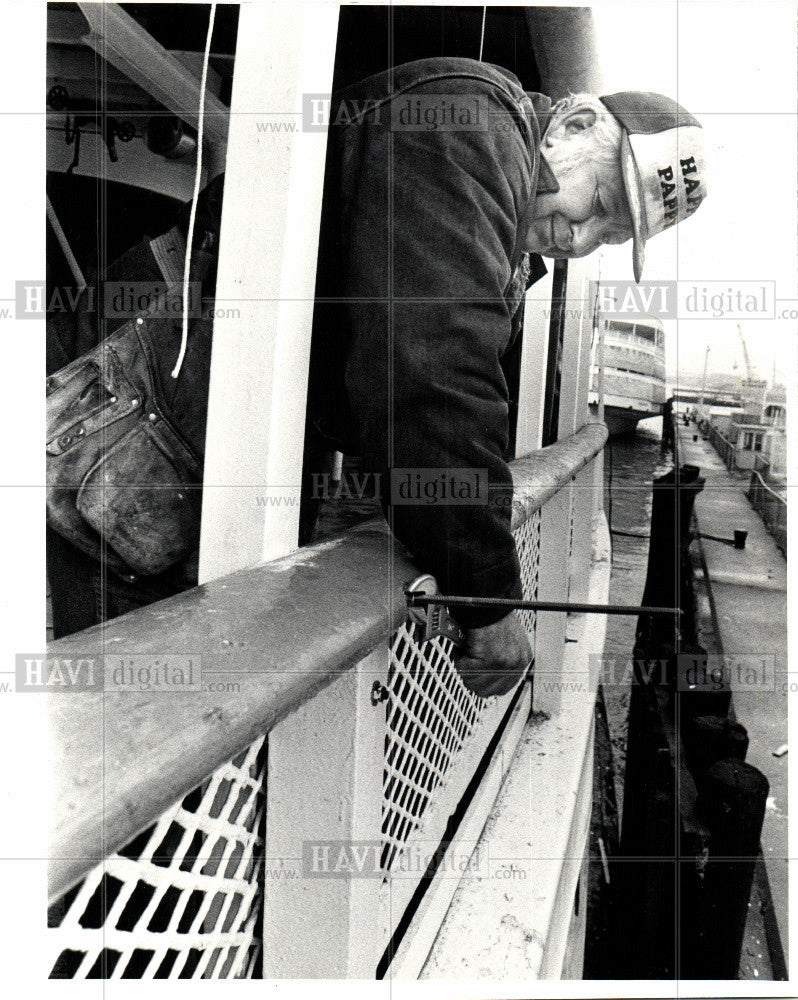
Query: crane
{"points": [[749, 368], [704, 379]]}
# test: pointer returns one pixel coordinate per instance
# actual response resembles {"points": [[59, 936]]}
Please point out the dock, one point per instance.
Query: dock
{"points": [[743, 614]]}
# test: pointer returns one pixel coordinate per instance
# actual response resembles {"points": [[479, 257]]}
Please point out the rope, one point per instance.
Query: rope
{"points": [[197, 179], [482, 35]]}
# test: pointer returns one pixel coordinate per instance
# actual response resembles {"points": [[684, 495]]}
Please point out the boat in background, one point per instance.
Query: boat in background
{"points": [[634, 372]]}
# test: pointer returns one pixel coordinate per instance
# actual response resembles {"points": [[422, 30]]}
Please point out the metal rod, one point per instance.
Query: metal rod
{"points": [[716, 538], [416, 599], [63, 242]]}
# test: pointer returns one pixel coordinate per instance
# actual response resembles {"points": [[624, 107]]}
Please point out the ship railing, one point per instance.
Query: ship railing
{"points": [[722, 445], [276, 776], [762, 466], [771, 507]]}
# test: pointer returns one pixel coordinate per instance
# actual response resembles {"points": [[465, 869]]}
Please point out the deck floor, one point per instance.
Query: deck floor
{"points": [[748, 589]]}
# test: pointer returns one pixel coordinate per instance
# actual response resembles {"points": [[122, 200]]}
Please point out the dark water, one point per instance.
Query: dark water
{"points": [[630, 464]]}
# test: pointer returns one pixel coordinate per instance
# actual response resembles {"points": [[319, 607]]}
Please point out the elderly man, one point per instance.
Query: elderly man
{"points": [[443, 176]]}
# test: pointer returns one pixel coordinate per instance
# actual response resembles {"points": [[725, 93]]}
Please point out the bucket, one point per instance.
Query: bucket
{"points": [[739, 539]]}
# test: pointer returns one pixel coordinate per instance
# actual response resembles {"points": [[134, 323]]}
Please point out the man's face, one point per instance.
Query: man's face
{"points": [[590, 209]]}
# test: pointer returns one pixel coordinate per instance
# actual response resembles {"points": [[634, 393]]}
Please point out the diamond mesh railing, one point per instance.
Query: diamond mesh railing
{"points": [[432, 715], [182, 900], [185, 898]]}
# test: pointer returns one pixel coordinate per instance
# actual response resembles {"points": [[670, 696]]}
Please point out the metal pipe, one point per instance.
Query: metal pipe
{"points": [[417, 599]]}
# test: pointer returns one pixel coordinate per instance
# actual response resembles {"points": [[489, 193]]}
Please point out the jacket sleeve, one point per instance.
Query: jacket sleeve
{"points": [[430, 224]]}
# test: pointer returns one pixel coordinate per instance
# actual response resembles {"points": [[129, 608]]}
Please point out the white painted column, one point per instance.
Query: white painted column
{"points": [[553, 586], [322, 917], [584, 502], [574, 322], [587, 298], [266, 279], [532, 382]]}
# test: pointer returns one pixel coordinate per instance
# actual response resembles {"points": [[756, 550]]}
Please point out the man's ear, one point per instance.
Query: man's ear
{"points": [[571, 123]]}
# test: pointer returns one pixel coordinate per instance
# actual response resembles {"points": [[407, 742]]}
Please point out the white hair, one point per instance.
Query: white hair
{"points": [[602, 142]]}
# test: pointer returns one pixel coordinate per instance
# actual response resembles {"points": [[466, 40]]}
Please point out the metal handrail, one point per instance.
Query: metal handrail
{"points": [[722, 445], [537, 477], [282, 631], [771, 507], [765, 486]]}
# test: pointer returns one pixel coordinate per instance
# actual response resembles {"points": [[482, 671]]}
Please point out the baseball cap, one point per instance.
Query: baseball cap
{"points": [[662, 164]]}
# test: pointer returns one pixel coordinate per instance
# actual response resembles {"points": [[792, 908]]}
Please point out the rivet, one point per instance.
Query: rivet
{"points": [[139, 320], [113, 399], [153, 417], [78, 431], [64, 440], [134, 402]]}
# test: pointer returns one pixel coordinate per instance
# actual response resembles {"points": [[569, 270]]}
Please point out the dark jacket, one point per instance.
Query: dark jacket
{"points": [[421, 271], [421, 274]]}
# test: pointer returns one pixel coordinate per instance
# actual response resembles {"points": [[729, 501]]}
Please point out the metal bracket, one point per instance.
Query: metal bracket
{"points": [[379, 693]]}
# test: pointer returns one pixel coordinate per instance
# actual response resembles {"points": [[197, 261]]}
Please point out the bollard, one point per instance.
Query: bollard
{"points": [[710, 738], [732, 804], [738, 741]]}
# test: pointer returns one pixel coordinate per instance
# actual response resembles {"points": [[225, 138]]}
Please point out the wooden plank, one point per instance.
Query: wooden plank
{"points": [[267, 271]]}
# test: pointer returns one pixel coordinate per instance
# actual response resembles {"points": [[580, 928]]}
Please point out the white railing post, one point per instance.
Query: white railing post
{"points": [[553, 586], [266, 282], [580, 332], [583, 511], [532, 382], [573, 324], [324, 795]]}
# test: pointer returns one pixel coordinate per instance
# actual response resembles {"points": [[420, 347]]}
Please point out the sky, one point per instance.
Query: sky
{"points": [[733, 65]]}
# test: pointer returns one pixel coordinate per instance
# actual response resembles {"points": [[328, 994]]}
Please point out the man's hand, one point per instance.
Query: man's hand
{"points": [[494, 656]]}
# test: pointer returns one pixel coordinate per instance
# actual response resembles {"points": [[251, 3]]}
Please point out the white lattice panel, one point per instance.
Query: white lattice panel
{"points": [[527, 544], [431, 714], [183, 900], [437, 729]]}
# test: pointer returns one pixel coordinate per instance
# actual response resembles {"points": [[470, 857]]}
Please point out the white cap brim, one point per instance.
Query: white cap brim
{"points": [[633, 186]]}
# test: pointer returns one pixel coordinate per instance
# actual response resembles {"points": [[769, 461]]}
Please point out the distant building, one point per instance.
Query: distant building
{"points": [[633, 383]]}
